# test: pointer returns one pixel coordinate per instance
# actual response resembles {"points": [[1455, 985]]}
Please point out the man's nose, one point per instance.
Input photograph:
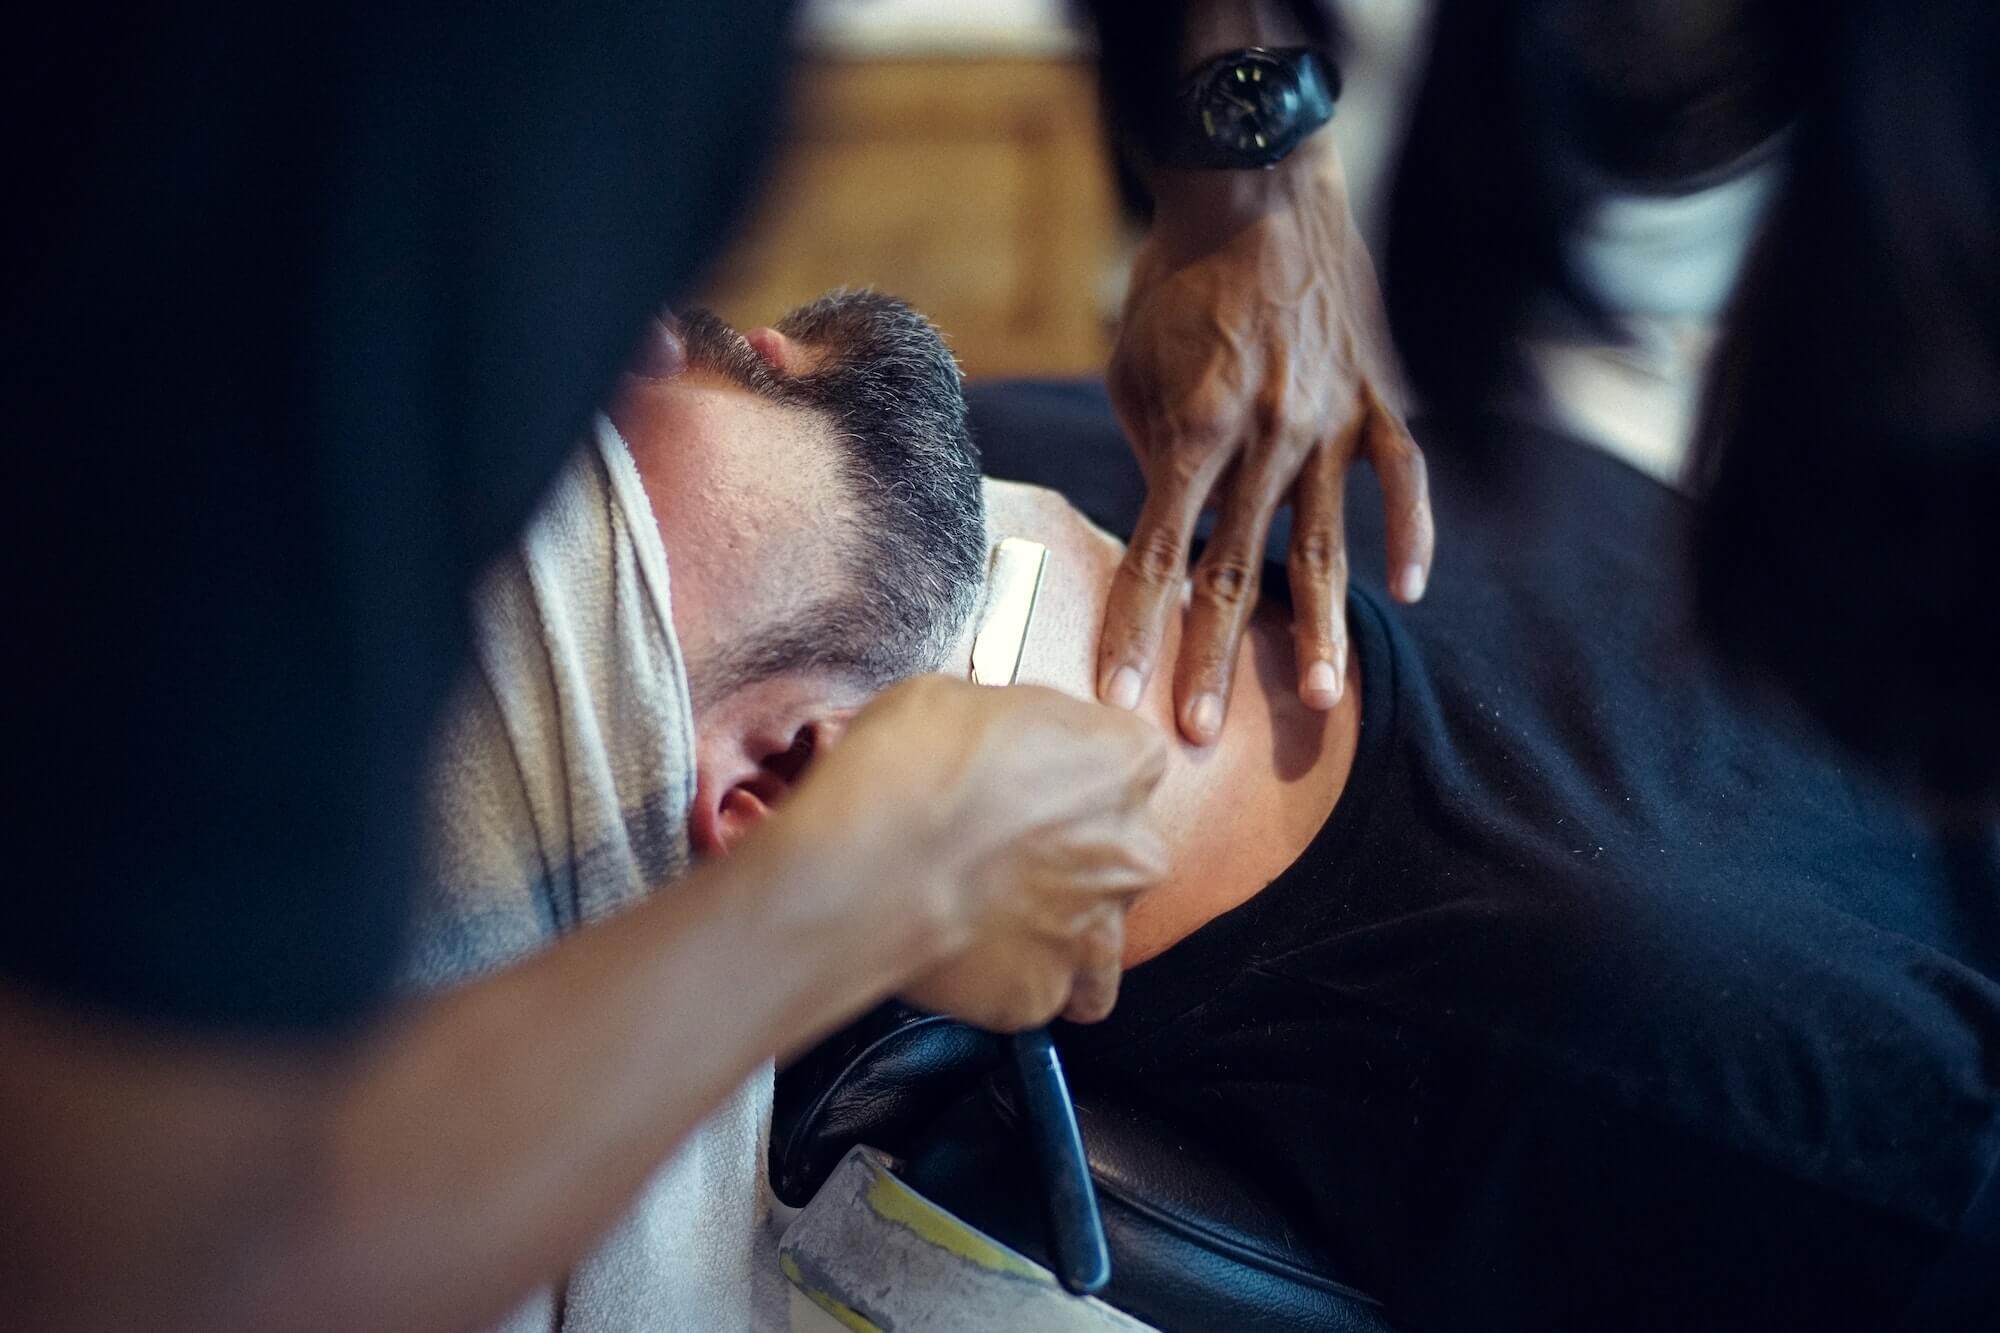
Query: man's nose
{"points": [[662, 354]]}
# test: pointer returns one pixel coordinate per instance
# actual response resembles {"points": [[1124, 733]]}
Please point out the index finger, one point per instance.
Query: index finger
{"points": [[1146, 589]]}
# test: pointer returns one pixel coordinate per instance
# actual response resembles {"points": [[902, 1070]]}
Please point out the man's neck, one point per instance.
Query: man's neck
{"points": [[1238, 812]]}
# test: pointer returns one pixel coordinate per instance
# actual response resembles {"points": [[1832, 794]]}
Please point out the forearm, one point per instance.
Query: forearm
{"points": [[429, 1176], [426, 1174], [641, 1030], [1214, 26]]}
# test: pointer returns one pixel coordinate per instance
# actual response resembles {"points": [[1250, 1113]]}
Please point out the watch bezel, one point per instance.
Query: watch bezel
{"points": [[1311, 73]]}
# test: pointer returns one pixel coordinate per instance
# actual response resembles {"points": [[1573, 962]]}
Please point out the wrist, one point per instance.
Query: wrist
{"points": [[1215, 26], [1196, 211]]}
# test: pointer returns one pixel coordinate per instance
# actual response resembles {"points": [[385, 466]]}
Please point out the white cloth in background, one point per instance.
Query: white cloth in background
{"points": [[1664, 267], [561, 781], [1676, 256]]}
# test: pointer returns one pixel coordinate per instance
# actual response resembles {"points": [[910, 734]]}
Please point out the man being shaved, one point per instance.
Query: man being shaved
{"points": [[1553, 987]]}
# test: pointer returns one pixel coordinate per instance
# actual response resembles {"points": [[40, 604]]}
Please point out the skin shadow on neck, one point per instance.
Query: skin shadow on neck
{"points": [[1237, 813]]}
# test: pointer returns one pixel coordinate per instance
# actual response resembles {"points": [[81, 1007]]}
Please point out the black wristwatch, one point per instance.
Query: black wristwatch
{"points": [[1250, 108]]}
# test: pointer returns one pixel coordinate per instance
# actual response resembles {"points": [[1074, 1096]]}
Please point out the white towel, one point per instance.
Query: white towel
{"points": [[560, 787]]}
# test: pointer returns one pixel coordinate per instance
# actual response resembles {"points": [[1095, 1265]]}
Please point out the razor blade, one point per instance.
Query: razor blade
{"points": [[1013, 581]]}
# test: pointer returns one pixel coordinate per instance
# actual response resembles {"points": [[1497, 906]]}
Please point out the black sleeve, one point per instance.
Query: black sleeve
{"points": [[306, 308]]}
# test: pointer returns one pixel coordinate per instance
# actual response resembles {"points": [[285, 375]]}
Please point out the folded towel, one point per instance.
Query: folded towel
{"points": [[561, 781]]}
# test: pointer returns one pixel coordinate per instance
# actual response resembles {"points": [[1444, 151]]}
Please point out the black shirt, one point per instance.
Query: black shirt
{"points": [[1603, 1000], [306, 305]]}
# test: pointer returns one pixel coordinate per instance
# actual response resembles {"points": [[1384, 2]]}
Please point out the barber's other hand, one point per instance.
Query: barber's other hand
{"points": [[1022, 819], [1254, 366]]}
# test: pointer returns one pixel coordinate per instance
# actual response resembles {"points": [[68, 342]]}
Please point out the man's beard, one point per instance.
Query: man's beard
{"points": [[888, 387], [714, 345], [862, 343]]}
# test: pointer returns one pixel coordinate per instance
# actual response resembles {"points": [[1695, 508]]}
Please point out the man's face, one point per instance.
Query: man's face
{"points": [[819, 502]]}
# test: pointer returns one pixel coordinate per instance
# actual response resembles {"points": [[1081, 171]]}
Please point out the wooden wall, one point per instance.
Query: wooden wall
{"points": [[973, 187]]}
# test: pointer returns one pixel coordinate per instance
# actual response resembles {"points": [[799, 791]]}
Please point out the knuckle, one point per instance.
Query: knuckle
{"points": [[1203, 427], [1032, 1004], [1223, 580], [1317, 556], [1189, 461], [1092, 1000], [1203, 422], [1156, 557], [1101, 946]]}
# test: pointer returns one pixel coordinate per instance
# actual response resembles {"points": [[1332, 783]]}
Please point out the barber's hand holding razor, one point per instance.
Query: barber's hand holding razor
{"points": [[1253, 367], [1020, 827]]}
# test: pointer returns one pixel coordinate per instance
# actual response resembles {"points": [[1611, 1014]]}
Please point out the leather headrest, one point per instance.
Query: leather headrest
{"points": [[876, 1081]]}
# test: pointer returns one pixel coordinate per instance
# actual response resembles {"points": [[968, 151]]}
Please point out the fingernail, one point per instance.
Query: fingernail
{"points": [[1322, 688], [1412, 586], [1125, 687], [1206, 715]]}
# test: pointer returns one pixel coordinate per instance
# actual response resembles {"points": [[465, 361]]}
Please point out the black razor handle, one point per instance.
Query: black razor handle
{"points": [[1076, 1230]]}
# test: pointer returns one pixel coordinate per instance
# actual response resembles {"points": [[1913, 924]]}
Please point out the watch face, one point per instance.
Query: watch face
{"points": [[1250, 106]]}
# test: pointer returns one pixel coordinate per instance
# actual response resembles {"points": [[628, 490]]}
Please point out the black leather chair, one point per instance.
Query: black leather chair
{"points": [[1193, 1246]]}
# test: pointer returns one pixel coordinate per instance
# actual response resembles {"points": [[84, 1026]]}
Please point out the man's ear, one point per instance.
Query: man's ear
{"points": [[734, 795], [741, 809], [733, 798]]}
